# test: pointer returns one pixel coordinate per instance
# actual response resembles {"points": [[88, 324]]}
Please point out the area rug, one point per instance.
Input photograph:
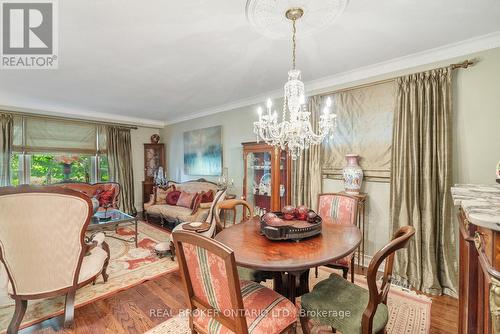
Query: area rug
{"points": [[128, 266], [409, 313]]}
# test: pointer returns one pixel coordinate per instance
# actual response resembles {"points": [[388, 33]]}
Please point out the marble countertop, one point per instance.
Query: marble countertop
{"points": [[481, 203]]}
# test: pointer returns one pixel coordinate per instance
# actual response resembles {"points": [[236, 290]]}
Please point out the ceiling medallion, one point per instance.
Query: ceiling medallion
{"points": [[267, 16], [294, 132]]}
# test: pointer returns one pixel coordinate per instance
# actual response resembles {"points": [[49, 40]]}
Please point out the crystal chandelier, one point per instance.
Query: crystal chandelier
{"points": [[294, 132]]}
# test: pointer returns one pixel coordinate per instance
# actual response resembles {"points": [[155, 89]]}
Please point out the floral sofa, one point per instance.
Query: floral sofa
{"points": [[106, 193], [166, 207]]}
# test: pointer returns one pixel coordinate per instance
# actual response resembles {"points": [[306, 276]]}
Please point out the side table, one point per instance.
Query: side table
{"points": [[360, 222]]}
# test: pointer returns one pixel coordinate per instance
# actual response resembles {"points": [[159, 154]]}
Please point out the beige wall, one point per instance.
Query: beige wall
{"points": [[476, 142], [139, 137]]}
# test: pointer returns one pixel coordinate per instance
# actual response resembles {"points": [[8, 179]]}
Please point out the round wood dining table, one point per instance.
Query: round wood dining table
{"points": [[289, 260]]}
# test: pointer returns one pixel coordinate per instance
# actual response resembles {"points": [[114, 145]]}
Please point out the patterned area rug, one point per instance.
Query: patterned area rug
{"points": [[128, 267], [409, 313]]}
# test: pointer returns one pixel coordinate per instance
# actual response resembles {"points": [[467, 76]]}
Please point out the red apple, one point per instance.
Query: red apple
{"points": [[301, 212], [289, 212], [268, 216], [311, 216], [276, 221]]}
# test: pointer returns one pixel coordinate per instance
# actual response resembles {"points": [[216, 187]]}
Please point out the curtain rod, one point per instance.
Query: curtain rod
{"points": [[465, 64], [62, 118]]}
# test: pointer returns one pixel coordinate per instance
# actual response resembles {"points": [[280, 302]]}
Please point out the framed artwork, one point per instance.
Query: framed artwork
{"points": [[203, 151]]}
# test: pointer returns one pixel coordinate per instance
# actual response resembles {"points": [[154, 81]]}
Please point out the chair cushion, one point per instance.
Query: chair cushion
{"points": [[345, 261], [92, 264], [266, 312], [337, 294]]}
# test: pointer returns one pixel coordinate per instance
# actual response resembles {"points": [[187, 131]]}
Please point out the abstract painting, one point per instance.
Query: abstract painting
{"points": [[203, 151]]}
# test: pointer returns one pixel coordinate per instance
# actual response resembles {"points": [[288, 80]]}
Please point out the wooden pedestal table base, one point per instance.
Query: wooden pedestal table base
{"points": [[289, 260]]}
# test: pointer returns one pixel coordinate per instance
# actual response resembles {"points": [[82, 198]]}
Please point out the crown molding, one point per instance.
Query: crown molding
{"points": [[52, 110], [442, 53]]}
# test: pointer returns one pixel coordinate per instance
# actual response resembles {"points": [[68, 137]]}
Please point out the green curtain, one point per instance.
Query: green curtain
{"points": [[421, 178], [119, 150], [306, 171], [6, 138]]}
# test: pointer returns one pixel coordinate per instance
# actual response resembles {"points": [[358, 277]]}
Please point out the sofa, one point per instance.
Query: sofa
{"points": [[175, 213], [106, 193]]}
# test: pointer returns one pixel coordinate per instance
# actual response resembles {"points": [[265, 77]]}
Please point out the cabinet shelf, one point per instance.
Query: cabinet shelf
{"points": [[259, 160]]}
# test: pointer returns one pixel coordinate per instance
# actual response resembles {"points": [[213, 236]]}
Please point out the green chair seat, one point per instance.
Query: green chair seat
{"points": [[333, 298], [257, 276]]}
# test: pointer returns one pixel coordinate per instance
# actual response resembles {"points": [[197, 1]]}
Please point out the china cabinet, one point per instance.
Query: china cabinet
{"points": [[267, 178], [154, 157]]}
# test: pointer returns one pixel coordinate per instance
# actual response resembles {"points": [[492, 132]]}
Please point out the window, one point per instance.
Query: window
{"points": [[48, 151], [51, 168], [103, 172], [15, 169]]}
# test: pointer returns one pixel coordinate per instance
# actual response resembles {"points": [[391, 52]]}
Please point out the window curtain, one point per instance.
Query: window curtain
{"points": [[306, 171], [364, 126], [6, 138], [119, 151], [421, 179]]}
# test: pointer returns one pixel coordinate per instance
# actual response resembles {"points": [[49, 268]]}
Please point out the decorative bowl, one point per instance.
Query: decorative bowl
{"points": [[290, 229]]}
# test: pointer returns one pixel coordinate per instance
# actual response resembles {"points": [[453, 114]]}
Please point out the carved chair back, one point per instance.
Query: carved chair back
{"points": [[233, 204], [338, 208], [379, 295]]}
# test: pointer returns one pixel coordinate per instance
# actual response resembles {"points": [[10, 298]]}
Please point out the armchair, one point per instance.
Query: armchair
{"points": [[43, 248]]}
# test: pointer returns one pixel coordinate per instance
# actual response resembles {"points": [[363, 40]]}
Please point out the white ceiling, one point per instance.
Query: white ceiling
{"points": [[168, 60]]}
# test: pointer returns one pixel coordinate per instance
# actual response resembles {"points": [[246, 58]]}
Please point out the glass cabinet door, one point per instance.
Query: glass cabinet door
{"points": [[258, 181]]}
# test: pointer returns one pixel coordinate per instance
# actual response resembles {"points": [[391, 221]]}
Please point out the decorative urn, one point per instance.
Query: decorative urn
{"points": [[352, 174]]}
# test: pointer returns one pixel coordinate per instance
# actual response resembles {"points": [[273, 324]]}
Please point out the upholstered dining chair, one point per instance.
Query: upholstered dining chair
{"points": [[43, 248], [337, 208], [368, 309], [233, 204], [218, 300], [212, 213]]}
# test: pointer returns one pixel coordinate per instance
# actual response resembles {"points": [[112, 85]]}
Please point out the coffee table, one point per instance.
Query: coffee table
{"points": [[103, 221]]}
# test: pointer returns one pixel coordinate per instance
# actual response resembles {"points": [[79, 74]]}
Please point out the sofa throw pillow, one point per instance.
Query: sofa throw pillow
{"points": [[105, 197], [173, 197], [207, 197], [186, 199], [161, 194], [196, 202]]}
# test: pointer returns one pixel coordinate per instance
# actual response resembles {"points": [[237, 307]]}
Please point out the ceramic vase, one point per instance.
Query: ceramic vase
{"points": [[353, 174]]}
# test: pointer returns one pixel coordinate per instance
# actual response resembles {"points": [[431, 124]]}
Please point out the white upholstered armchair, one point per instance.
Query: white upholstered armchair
{"points": [[43, 248]]}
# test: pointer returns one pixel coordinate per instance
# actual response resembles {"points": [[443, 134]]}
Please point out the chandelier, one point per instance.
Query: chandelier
{"points": [[295, 131]]}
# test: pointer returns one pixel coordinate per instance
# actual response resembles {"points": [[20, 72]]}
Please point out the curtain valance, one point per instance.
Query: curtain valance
{"points": [[38, 134]]}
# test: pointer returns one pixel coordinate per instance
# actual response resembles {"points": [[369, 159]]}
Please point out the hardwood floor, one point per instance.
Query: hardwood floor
{"points": [[139, 309]]}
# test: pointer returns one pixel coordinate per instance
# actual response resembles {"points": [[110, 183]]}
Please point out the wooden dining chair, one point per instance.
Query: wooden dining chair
{"points": [[233, 204], [247, 213], [368, 309], [219, 302], [337, 208]]}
